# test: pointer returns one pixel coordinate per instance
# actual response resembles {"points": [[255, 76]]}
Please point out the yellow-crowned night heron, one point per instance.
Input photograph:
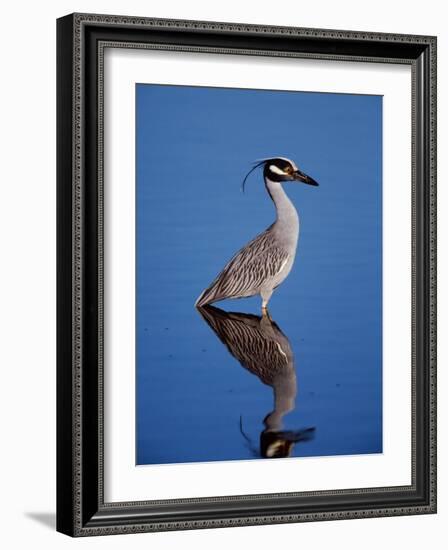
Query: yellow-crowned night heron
{"points": [[260, 346], [266, 261]]}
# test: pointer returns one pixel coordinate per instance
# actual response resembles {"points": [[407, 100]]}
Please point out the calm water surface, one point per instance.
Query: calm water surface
{"points": [[218, 386]]}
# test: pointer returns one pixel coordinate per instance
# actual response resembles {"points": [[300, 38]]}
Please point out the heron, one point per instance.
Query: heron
{"points": [[265, 262], [260, 347]]}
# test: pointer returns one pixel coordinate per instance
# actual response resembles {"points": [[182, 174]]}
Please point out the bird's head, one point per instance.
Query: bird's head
{"points": [[280, 444], [280, 169]]}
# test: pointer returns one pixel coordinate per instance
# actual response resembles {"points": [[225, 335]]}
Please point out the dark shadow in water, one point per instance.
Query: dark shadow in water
{"points": [[260, 346]]}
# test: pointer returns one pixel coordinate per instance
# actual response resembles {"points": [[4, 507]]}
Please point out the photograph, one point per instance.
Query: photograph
{"points": [[246, 273], [258, 304]]}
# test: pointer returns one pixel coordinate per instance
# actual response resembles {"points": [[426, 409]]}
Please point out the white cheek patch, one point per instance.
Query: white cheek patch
{"points": [[276, 170], [271, 450]]}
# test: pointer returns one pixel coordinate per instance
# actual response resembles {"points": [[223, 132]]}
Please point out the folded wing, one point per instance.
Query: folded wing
{"points": [[259, 261]]}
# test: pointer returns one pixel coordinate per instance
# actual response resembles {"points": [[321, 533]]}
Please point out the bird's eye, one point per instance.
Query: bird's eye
{"points": [[288, 170], [276, 170]]}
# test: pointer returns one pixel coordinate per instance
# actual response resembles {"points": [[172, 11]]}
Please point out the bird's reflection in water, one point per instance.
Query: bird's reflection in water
{"points": [[261, 347]]}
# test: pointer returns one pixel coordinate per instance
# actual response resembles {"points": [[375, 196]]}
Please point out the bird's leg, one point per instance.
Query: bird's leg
{"points": [[265, 296], [265, 313]]}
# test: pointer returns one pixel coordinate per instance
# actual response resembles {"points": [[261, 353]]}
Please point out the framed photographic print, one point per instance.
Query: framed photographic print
{"points": [[246, 274]]}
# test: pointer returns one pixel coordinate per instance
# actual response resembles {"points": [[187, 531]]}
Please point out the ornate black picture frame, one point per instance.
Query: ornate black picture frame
{"points": [[81, 508]]}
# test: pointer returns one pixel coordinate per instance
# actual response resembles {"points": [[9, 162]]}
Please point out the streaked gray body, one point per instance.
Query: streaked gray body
{"points": [[259, 346], [264, 262]]}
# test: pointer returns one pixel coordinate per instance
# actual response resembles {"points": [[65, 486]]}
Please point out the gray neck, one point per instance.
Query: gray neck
{"points": [[286, 213], [285, 391]]}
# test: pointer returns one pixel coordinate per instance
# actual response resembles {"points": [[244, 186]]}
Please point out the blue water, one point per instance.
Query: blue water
{"points": [[195, 400]]}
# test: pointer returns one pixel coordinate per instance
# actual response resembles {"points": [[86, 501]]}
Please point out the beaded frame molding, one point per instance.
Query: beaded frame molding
{"points": [[81, 40]]}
